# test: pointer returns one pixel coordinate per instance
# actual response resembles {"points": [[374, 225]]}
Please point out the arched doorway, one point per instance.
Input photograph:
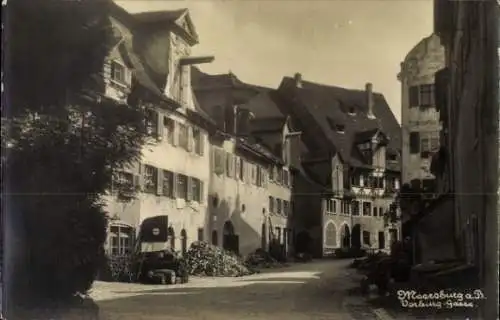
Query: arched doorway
{"points": [[331, 235], [183, 241], [230, 240], [171, 238], [215, 238], [346, 236], [356, 236]]}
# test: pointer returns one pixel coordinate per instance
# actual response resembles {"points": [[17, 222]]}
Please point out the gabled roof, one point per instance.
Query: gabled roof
{"points": [[324, 107]]}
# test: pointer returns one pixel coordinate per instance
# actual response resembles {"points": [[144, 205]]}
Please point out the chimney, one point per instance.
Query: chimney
{"points": [[369, 100], [230, 119], [298, 80], [243, 119]]}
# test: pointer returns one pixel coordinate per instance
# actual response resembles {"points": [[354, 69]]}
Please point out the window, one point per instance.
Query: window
{"points": [[182, 186], [375, 211], [354, 180], [426, 95], [355, 208], [124, 182], [183, 136], [121, 239], [150, 179], [366, 238], [278, 206], [429, 142], [198, 143], [271, 204], [169, 127], [279, 175], [151, 122], [285, 208], [328, 204], [196, 190], [253, 173], [414, 142], [345, 207], [118, 72], [414, 93], [271, 173], [259, 176], [286, 177], [334, 206], [241, 169], [200, 234], [219, 164], [367, 208], [340, 128], [168, 183]]}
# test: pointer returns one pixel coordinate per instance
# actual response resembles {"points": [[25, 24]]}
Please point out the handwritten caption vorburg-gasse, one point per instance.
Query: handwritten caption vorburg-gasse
{"points": [[439, 300]]}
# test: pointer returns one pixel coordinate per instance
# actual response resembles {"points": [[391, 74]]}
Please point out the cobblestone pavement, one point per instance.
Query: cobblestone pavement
{"points": [[315, 290]]}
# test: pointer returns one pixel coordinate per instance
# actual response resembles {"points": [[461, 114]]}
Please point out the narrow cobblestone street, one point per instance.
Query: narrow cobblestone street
{"points": [[316, 290]]}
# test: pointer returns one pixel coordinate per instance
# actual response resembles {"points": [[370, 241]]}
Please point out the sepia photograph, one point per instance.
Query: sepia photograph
{"points": [[250, 159]]}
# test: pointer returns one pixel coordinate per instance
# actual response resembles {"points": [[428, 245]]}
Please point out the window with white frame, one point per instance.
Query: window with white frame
{"points": [[278, 206], [120, 239], [124, 182], [286, 208], [183, 136], [168, 184], [169, 129], [118, 72], [355, 208], [196, 189], [219, 160], [367, 208], [198, 143], [271, 204], [182, 186], [150, 179]]}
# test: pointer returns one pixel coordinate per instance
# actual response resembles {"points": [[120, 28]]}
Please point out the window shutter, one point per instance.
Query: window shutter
{"points": [[202, 143], [159, 181], [190, 138], [175, 133], [138, 175], [414, 93], [174, 185], [202, 192], [159, 126], [189, 194], [237, 167]]}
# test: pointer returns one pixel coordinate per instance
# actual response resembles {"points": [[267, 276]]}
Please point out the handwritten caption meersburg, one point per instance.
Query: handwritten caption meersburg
{"points": [[440, 300]]}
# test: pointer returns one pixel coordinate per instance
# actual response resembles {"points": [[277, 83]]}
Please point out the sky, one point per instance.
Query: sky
{"points": [[345, 43]]}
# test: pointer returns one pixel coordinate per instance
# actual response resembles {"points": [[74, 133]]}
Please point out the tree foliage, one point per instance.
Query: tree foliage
{"points": [[62, 143]]}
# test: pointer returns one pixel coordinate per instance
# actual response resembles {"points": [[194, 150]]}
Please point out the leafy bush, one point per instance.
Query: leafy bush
{"points": [[62, 146], [118, 268], [349, 253]]}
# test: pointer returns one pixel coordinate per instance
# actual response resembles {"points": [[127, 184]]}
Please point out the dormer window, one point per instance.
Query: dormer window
{"points": [[392, 157], [340, 128], [352, 111], [118, 72]]}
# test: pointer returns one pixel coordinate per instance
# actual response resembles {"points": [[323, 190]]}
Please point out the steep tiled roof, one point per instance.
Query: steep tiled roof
{"points": [[329, 106], [226, 89]]}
